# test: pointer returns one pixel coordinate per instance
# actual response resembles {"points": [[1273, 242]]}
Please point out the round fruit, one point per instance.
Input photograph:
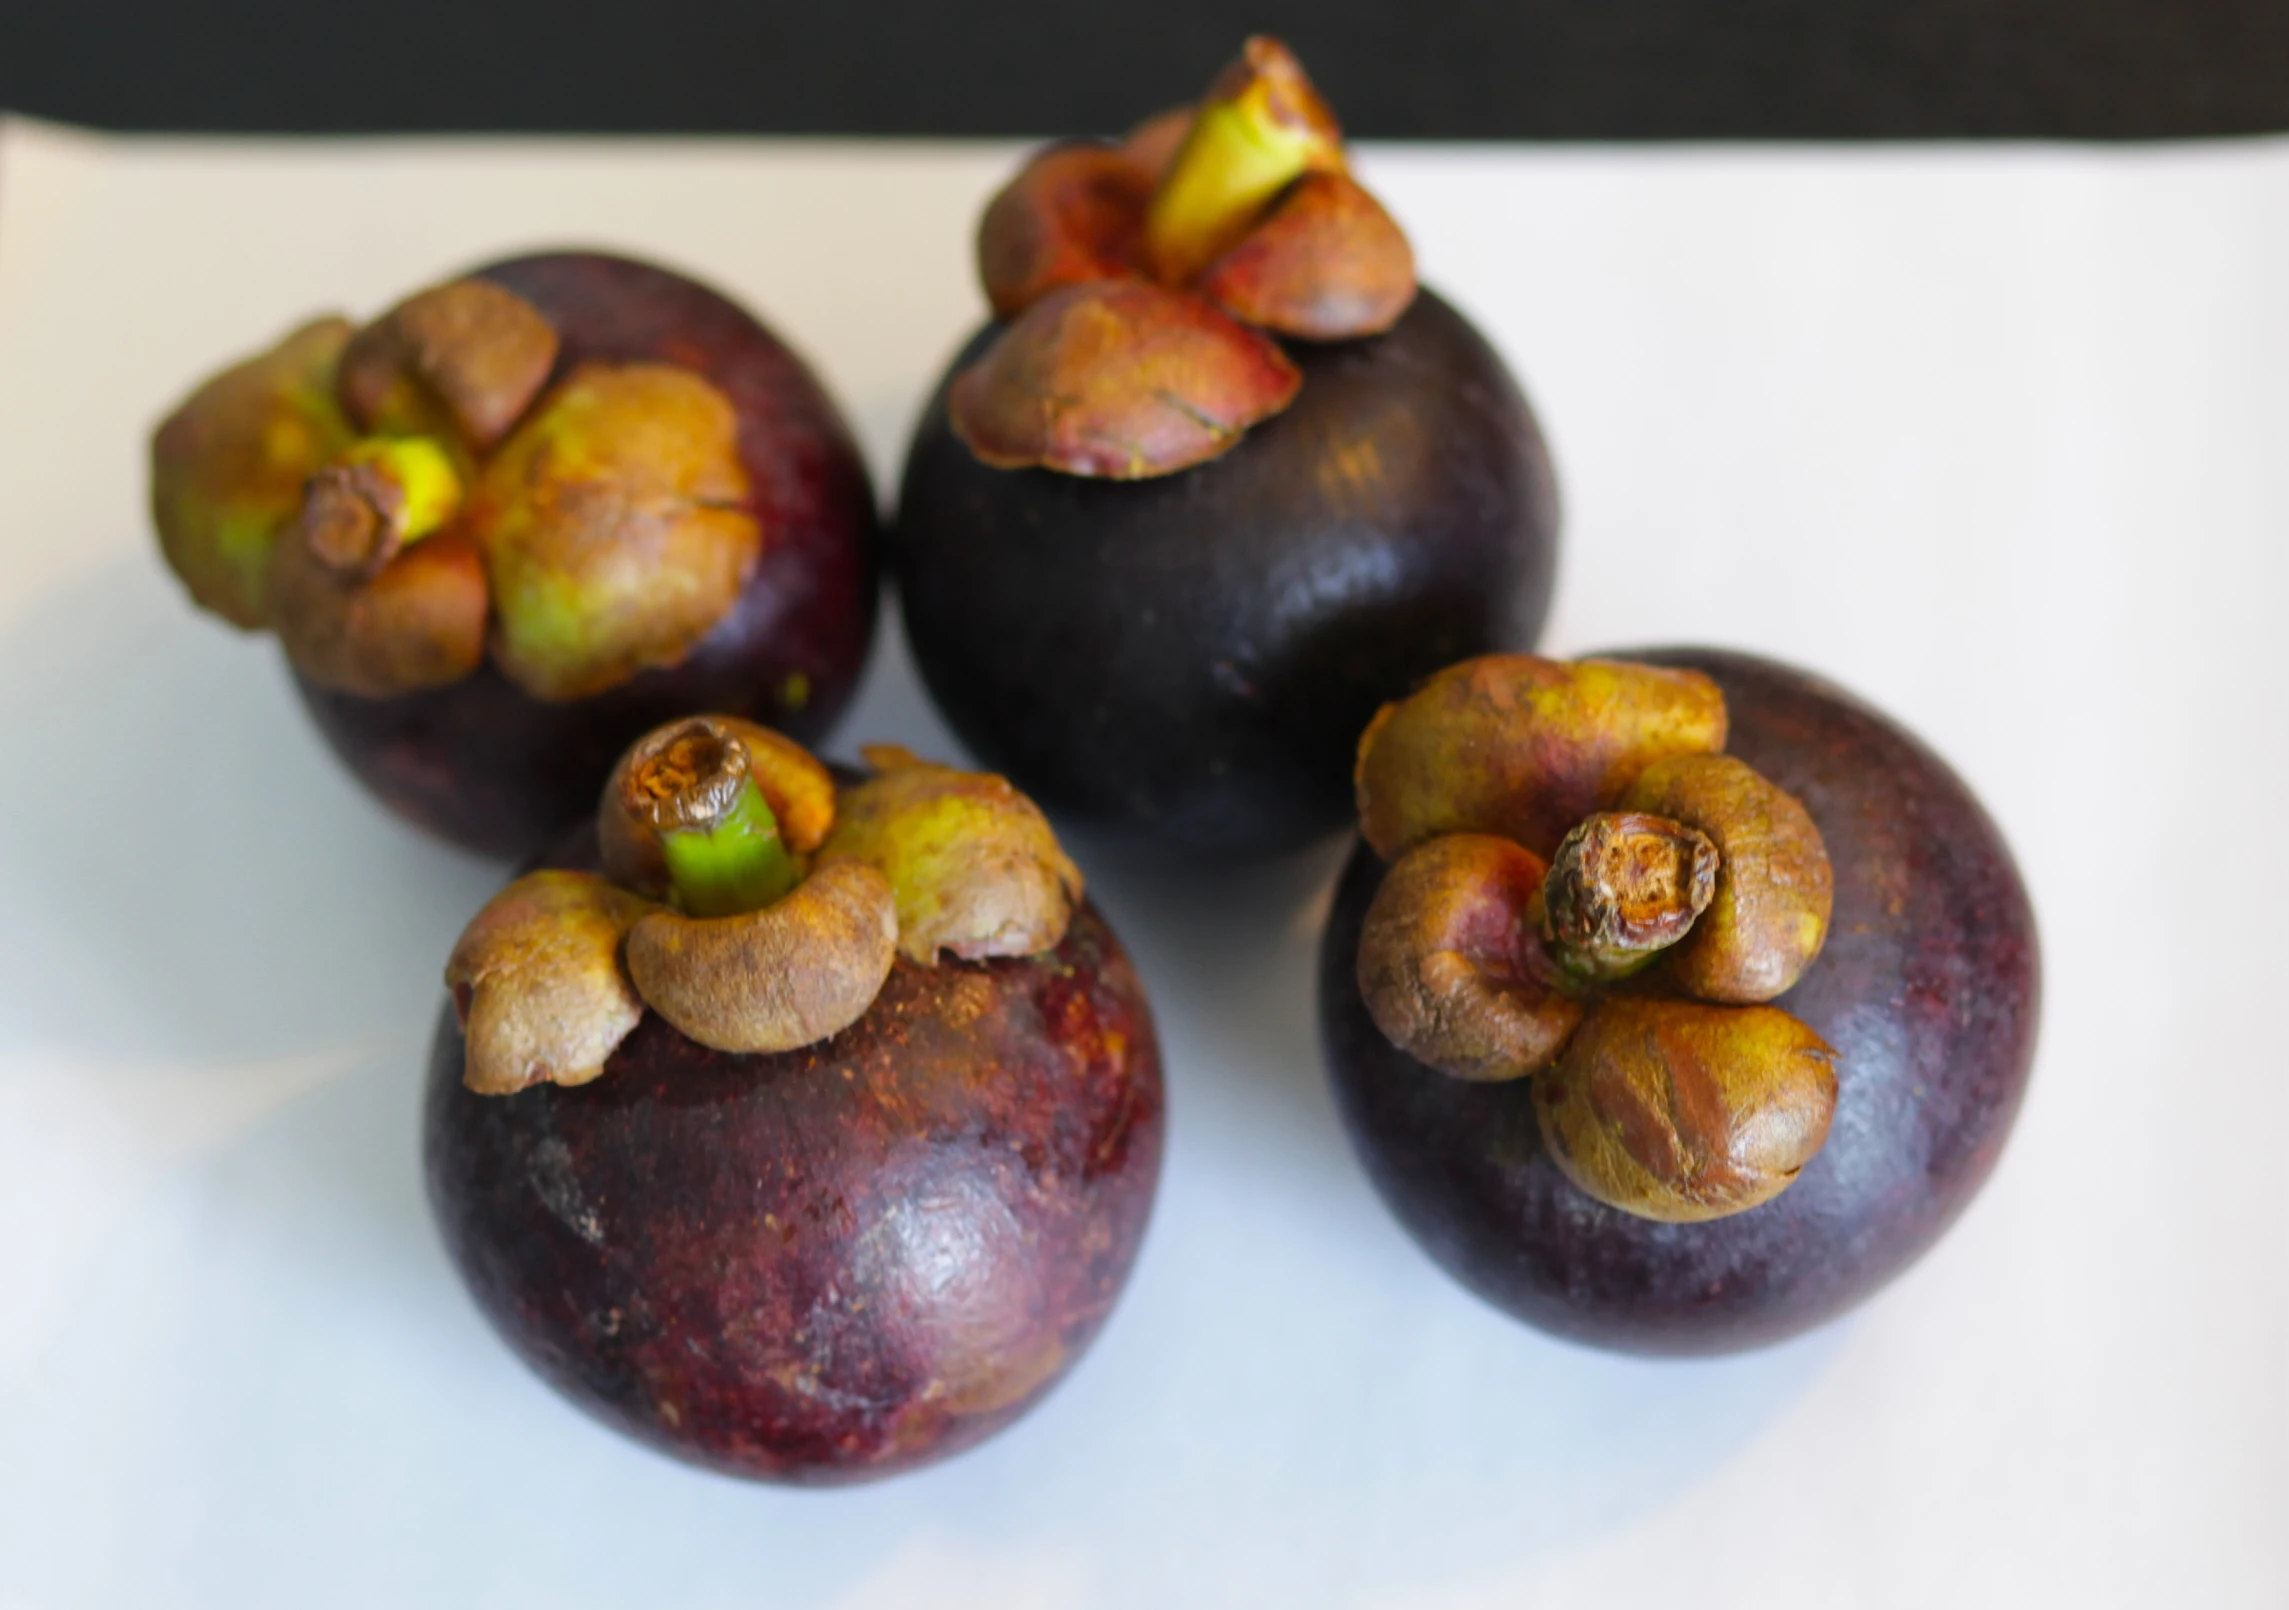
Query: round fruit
{"points": [[499, 756], [817, 1264], [1926, 990], [1219, 481], [1188, 660]]}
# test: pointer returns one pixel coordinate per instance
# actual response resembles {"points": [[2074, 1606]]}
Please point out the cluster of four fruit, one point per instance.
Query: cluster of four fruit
{"points": [[805, 1121]]}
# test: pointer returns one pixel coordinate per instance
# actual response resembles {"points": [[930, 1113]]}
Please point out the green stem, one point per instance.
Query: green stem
{"points": [[1261, 127], [736, 863], [380, 494], [423, 471]]}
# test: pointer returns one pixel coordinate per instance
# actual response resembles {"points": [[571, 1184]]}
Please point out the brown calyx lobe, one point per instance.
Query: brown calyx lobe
{"points": [[1678, 1111], [1769, 915], [1241, 203], [1152, 145], [1449, 966], [1327, 263], [617, 527], [786, 975], [1073, 213], [537, 984], [230, 463], [975, 868], [416, 623], [470, 353], [1523, 746], [1118, 379]]}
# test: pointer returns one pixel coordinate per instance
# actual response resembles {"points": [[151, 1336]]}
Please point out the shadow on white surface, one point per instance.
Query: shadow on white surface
{"points": [[190, 878]]}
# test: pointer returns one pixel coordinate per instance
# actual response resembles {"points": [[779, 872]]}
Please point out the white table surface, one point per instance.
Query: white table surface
{"points": [[1999, 438]]}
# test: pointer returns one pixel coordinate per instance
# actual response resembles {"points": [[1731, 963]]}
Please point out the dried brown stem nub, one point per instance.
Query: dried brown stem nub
{"points": [[353, 518], [687, 775], [1623, 887]]}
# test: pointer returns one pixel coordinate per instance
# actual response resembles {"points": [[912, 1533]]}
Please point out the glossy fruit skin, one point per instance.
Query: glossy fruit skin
{"points": [[488, 766], [827, 1265], [1184, 664], [1928, 988]]}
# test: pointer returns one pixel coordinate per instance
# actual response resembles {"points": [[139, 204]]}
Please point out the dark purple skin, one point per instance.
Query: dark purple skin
{"points": [[488, 766], [1928, 988], [826, 1265], [1183, 664]]}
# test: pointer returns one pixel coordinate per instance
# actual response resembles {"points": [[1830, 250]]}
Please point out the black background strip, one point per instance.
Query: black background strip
{"points": [[1529, 69]]}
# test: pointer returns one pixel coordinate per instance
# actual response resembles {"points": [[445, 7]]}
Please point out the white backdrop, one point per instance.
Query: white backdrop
{"points": [[1995, 437]]}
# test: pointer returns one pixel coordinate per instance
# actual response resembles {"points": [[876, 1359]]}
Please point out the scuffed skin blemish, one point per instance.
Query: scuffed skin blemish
{"points": [[827, 1264], [558, 1187]]}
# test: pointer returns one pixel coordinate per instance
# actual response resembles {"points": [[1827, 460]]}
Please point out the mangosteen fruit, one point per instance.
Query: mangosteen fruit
{"points": [[801, 1125], [521, 518], [1216, 481], [1674, 1003]]}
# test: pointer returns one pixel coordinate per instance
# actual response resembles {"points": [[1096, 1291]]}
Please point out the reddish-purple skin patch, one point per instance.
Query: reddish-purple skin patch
{"points": [[831, 1264], [1928, 988], [486, 765]]}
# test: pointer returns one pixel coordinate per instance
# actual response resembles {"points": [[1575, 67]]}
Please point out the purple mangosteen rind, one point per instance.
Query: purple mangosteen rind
{"points": [[480, 757], [1183, 665], [1927, 989], [838, 1249], [828, 1264], [1218, 480]]}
